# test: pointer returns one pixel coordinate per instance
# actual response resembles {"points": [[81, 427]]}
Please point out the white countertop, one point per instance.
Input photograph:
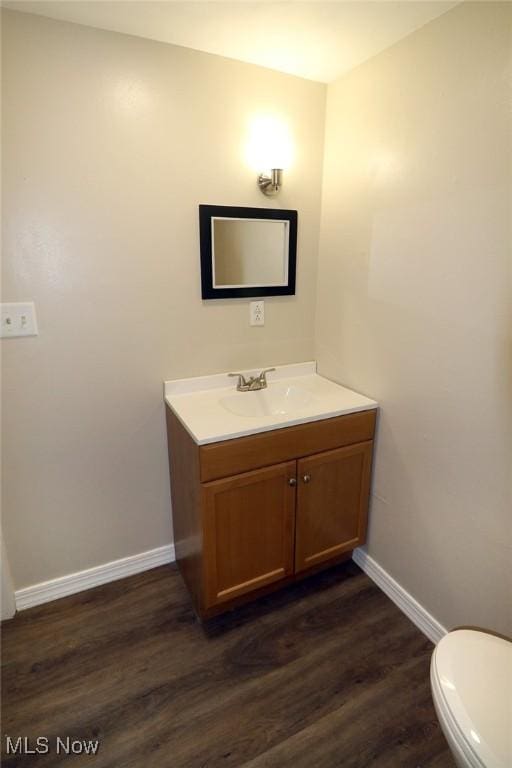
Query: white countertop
{"points": [[205, 404]]}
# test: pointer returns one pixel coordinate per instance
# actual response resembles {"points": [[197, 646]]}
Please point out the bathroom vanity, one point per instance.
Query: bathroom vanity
{"points": [[267, 486]]}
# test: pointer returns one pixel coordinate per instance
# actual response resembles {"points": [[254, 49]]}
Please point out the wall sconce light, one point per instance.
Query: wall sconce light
{"points": [[271, 184], [269, 146]]}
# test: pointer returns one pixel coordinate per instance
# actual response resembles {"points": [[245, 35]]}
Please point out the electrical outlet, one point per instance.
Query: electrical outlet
{"points": [[18, 318], [257, 313]]}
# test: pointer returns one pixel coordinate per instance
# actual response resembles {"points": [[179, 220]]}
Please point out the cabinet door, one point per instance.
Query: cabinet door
{"points": [[248, 528], [333, 490]]}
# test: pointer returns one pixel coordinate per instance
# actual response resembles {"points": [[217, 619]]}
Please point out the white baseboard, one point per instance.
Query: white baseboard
{"points": [[406, 602], [128, 566], [92, 577]]}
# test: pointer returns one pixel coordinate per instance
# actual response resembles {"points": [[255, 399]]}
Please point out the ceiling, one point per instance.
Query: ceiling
{"points": [[315, 40]]}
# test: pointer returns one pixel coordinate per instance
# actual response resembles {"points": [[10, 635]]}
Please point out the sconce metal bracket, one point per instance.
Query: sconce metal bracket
{"points": [[270, 185]]}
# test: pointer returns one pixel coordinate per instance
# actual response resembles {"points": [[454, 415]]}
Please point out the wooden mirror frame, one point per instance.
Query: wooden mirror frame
{"points": [[206, 213]]}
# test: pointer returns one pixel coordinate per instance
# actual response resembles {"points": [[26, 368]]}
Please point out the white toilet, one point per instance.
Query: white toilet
{"points": [[471, 679]]}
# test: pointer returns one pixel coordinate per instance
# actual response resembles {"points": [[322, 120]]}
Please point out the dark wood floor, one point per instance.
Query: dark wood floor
{"points": [[325, 673]]}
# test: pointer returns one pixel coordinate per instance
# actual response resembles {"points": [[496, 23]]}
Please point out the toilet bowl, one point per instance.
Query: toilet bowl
{"points": [[471, 679]]}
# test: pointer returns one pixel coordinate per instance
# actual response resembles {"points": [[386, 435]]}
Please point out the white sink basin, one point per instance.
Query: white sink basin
{"points": [[211, 410], [275, 400]]}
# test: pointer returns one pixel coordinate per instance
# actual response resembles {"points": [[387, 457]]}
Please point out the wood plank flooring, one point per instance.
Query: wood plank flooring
{"points": [[325, 673]]}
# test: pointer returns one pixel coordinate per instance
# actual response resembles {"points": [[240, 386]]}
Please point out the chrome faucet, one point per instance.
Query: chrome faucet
{"points": [[253, 383]]}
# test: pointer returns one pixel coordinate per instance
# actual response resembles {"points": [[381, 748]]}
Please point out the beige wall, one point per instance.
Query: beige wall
{"points": [[8, 604], [414, 302], [110, 144]]}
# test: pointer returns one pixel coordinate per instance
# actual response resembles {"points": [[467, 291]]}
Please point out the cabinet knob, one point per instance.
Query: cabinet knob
{"points": [[306, 478], [292, 481]]}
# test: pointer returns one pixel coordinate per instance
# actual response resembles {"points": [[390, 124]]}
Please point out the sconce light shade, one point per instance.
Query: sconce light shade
{"points": [[270, 185], [269, 151]]}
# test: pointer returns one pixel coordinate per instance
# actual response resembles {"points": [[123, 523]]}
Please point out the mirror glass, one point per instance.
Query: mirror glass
{"points": [[249, 252]]}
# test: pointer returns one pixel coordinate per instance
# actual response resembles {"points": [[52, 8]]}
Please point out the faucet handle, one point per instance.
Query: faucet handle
{"points": [[263, 374], [241, 380]]}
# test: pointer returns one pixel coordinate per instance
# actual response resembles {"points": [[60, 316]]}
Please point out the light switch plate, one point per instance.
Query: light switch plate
{"points": [[257, 313], [18, 318]]}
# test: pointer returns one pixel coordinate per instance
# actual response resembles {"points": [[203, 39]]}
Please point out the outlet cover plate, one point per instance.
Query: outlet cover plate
{"points": [[257, 313]]}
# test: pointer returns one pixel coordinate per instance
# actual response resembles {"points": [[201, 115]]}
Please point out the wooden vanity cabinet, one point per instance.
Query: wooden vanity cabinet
{"points": [[332, 503], [257, 512], [248, 528]]}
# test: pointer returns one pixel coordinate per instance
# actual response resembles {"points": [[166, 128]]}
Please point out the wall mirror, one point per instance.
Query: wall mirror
{"points": [[247, 251]]}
